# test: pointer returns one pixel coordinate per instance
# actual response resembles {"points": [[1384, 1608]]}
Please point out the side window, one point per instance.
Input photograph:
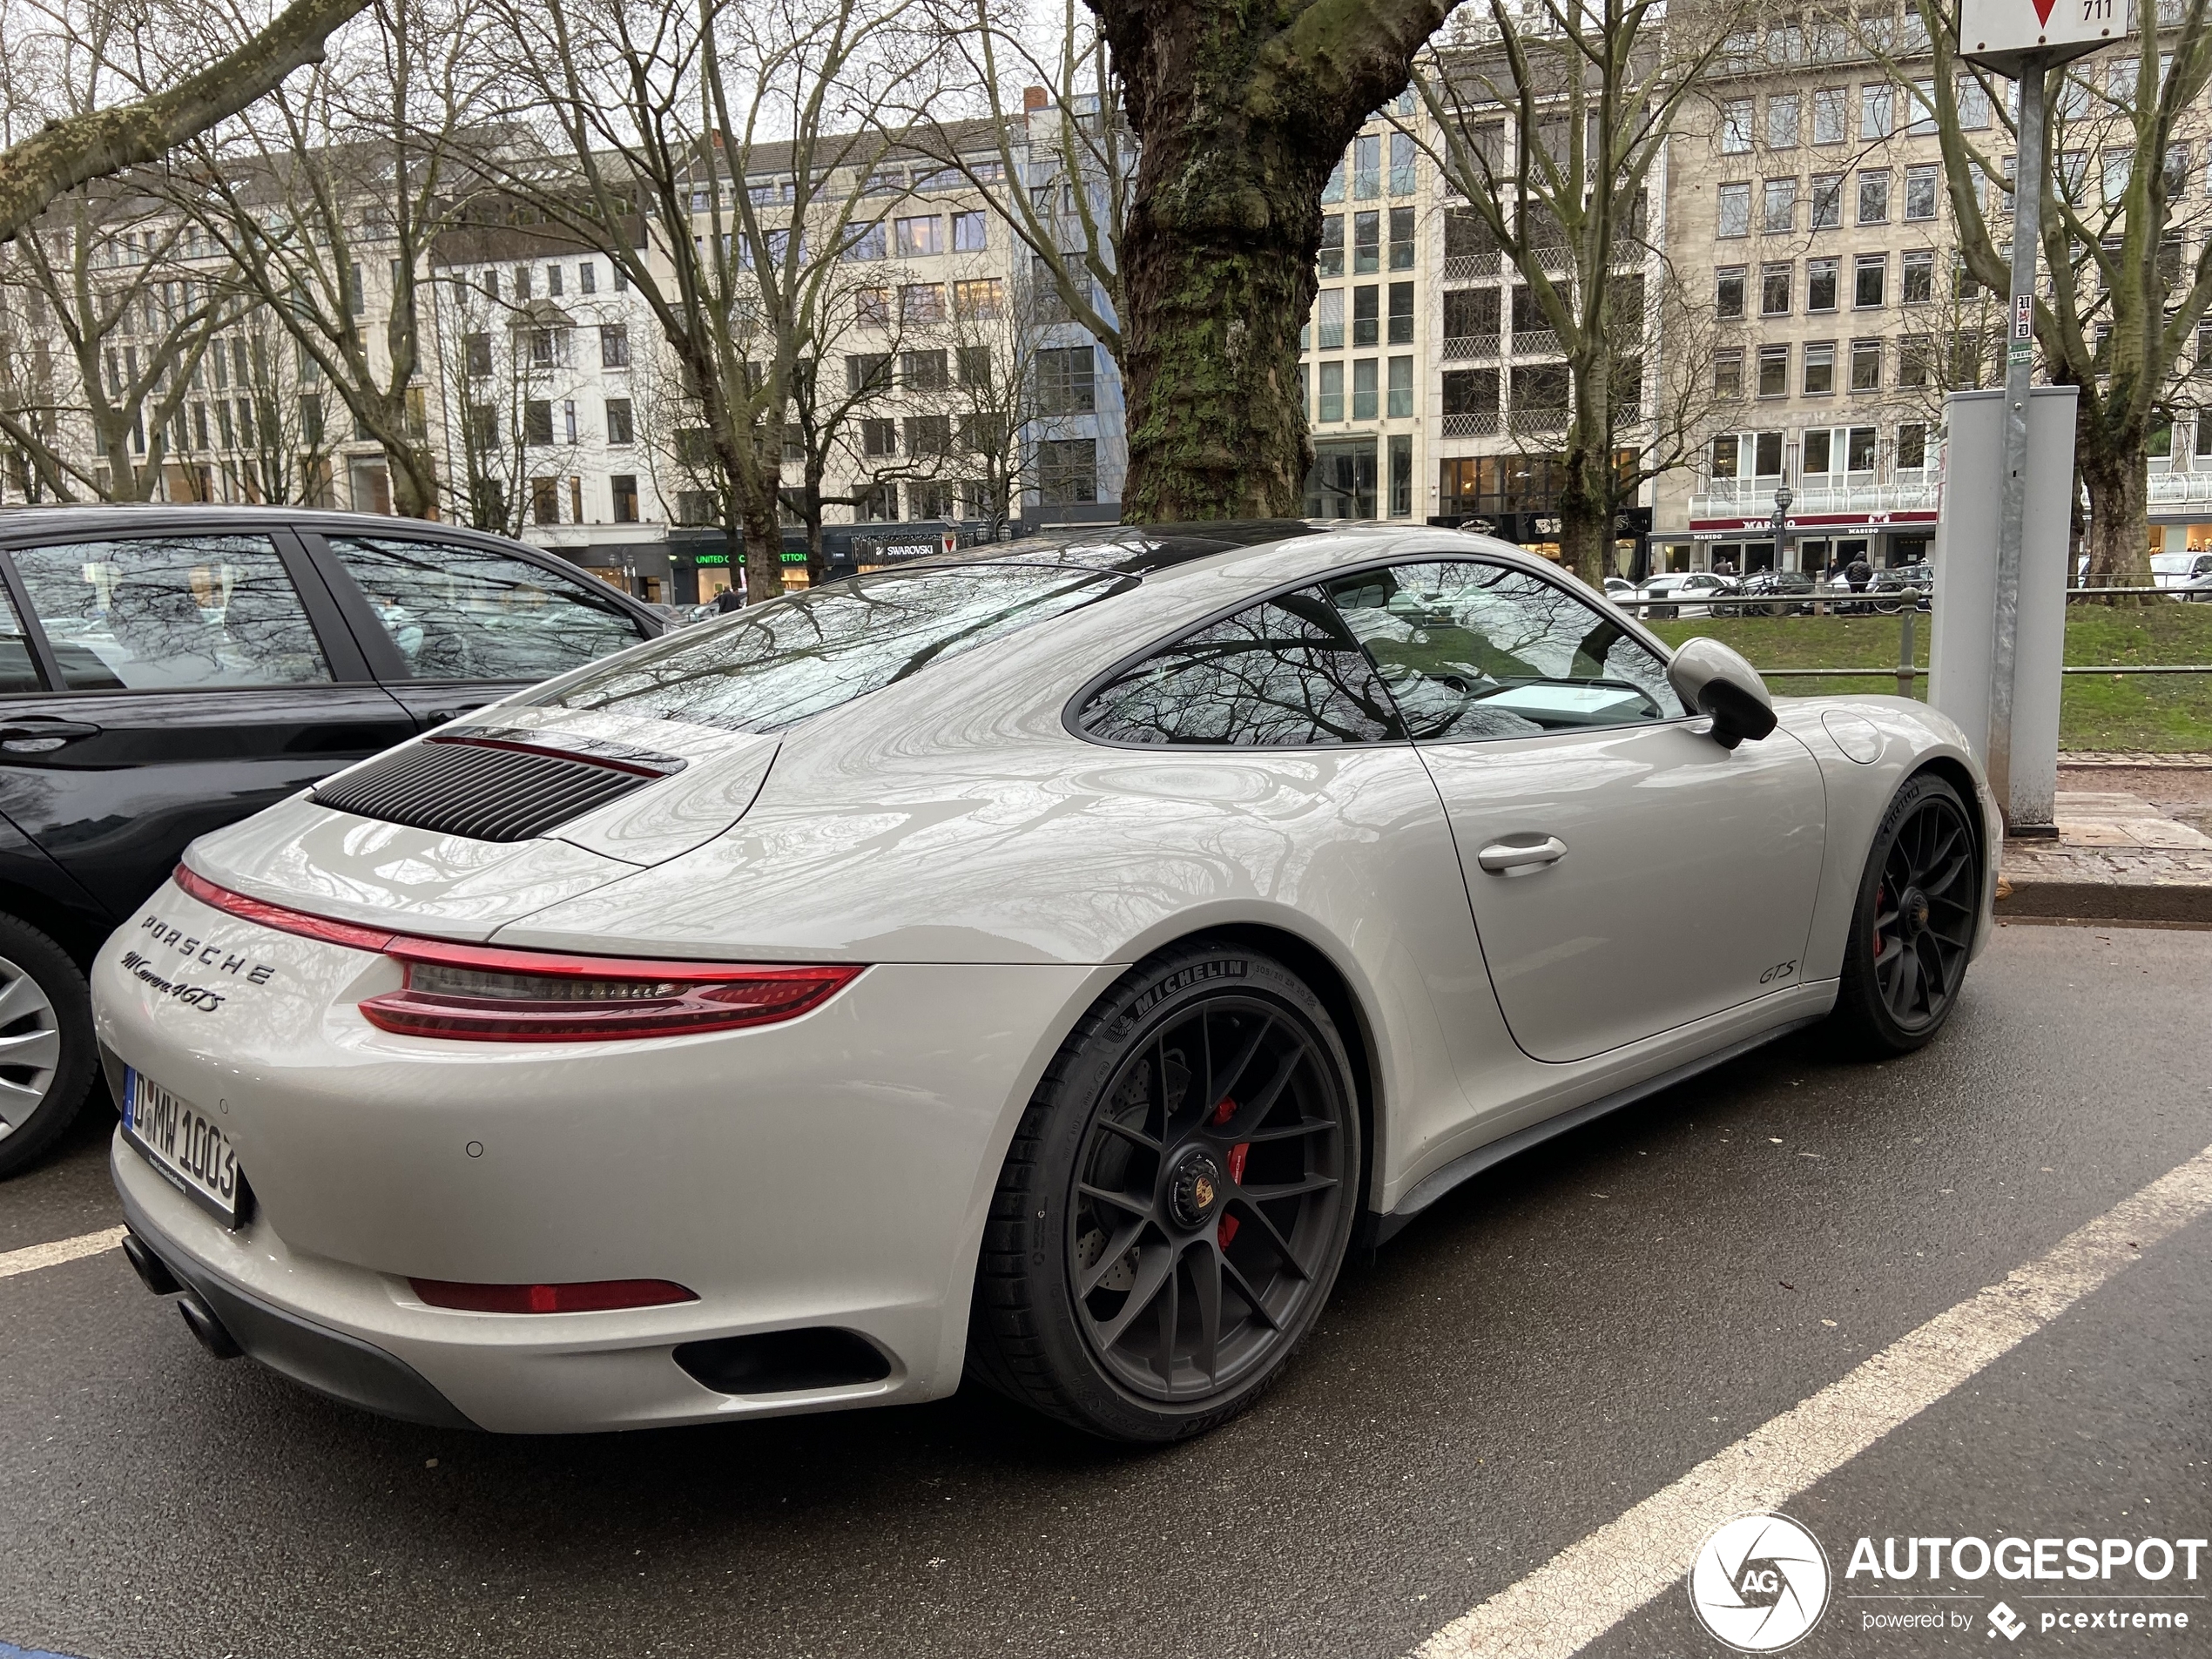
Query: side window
{"points": [[466, 613], [1283, 674], [179, 612], [1473, 650]]}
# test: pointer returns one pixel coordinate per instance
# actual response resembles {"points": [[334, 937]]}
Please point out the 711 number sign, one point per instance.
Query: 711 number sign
{"points": [[1988, 28]]}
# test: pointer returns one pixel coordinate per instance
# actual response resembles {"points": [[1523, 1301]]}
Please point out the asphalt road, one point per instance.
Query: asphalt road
{"points": [[1546, 1348]]}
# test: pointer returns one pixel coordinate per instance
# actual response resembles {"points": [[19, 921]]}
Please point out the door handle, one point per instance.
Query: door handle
{"points": [[439, 716], [36, 734], [1522, 855]]}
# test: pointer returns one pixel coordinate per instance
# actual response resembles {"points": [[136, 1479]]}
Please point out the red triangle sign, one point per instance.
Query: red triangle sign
{"points": [[2043, 11]]}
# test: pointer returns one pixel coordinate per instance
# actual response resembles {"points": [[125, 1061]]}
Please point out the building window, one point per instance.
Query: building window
{"points": [[1401, 475], [1401, 164], [866, 372], [1820, 367], [928, 436], [1866, 366], [1921, 185], [1736, 126], [1913, 446], [879, 438], [1873, 112], [545, 500], [1401, 238], [1828, 115], [1820, 285], [1331, 393], [1329, 320], [1363, 389], [568, 419], [1782, 121], [924, 371], [621, 427], [1067, 470], [867, 243], [623, 485], [1827, 200], [970, 234], [1401, 313], [1915, 361], [1868, 280], [1366, 168], [1066, 380], [1728, 375], [976, 365], [1919, 285], [1774, 289], [978, 300], [1774, 371], [1874, 196], [553, 281], [1366, 316], [537, 421], [921, 303], [1366, 243], [1734, 211], [917, 238], [1973, 103], [875, 503], [1730, 303], [1330, 262], [1401, 387], [1861, 455], [1778, 207]]}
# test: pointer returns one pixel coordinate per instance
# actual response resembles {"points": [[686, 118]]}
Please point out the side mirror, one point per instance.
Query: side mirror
{"points": [[1714, 681]]}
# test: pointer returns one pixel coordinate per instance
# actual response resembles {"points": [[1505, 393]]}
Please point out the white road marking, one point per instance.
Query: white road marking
{"points": [[1591, 1586], [31, 1257]]}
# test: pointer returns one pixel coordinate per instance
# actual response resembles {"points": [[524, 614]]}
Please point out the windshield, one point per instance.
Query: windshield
{"points": [[767, 666]]}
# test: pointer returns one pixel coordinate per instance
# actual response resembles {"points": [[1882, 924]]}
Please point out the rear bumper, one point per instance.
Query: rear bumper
{"points": [[314, 1356]]}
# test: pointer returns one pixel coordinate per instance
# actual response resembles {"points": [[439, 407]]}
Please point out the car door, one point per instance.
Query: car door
{"points": [[1627, 873], [450, 625], [185, 679]]}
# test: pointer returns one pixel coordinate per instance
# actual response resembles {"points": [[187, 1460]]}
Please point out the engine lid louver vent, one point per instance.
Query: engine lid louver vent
{"points": [[489, 788]]}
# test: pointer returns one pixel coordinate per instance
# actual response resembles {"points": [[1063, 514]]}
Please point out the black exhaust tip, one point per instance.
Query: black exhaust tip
{"points": [[201, 1320], [776, 1362], [148, 1267]]}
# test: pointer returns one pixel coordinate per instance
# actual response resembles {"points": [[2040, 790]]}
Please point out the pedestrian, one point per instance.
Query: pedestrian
{"points": [[728, 600]]}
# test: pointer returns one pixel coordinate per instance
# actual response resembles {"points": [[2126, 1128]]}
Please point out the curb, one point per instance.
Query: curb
{"points": [[2088, 901]]}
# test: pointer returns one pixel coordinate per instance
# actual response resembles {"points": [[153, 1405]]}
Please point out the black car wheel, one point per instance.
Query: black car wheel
{"points": [[46, 1042], [1913, 927], [1176, 1203]]}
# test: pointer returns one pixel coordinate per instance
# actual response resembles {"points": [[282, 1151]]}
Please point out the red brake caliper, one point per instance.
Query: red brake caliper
{"points": [[1225, 1230]]}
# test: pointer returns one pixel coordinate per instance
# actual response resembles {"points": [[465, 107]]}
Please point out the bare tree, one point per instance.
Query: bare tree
{"points": [[73, 145], [1548, 119], [2119, 316]]}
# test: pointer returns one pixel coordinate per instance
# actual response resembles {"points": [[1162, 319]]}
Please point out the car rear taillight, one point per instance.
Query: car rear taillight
{"points": [[592, 1296], [497, 994]]}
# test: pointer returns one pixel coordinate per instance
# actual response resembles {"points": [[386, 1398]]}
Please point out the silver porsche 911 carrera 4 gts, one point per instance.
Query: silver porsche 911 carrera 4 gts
{"points": [[1042, 963]]}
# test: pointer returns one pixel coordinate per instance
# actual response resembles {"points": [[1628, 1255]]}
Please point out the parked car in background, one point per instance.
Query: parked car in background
{"points": [[2199, 587], [1683, 585], [165, 670], [1920, 577], [1619, 588], [2179, 569], [1789, 593]]}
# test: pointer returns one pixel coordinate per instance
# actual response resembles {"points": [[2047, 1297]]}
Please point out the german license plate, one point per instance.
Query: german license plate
{"points": [[180, 1141]]}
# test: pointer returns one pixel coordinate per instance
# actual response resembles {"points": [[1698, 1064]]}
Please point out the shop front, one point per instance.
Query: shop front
{"points": [[1817, 543]]}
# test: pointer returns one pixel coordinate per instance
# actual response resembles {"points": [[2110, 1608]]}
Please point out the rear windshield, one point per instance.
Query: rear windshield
{"points": [[764, 668]]}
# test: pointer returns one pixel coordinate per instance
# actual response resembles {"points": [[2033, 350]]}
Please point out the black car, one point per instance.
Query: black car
{"points": [[166, 670]]}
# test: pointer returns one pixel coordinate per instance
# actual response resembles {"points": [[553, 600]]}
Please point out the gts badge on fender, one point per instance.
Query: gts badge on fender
{"points": [[1780, 970]]}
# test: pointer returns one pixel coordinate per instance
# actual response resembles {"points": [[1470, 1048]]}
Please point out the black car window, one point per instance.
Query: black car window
{"points": [[18, 669], [173, 612], [1283, 674], [1475, 650], [458, 612], [768, 665]]}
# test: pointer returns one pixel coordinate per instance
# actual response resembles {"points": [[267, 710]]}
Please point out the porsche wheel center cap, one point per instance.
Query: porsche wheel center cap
{"points": [[1914, 910], [1196, 1190]]}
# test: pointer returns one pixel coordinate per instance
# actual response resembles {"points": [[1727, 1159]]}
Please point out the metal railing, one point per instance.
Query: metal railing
{"points": [[1482, 425], [1458, 348], [1905, 602]]}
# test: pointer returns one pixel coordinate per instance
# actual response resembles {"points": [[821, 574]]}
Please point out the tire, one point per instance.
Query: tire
{"points": [[1912, 929], [46, 1045], [1129, 1209]]}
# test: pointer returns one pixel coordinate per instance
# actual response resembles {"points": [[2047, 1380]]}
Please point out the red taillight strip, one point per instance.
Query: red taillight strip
{"points": [[285, 921], [590, 1296], [715, 996]]}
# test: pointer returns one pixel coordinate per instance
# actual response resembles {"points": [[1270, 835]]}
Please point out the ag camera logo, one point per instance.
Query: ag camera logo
{"points": [[1759, 1583]]}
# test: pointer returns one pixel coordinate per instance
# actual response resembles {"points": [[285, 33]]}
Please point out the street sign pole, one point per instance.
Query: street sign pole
{"points": [[2020, 370]]}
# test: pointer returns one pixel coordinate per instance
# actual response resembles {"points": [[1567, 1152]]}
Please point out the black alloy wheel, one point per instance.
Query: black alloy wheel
{"points": [[1177, 1203], [1913, 927]]}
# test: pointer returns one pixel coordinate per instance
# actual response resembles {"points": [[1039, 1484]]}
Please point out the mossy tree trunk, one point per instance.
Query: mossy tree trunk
{"points": [[1241, 109]]}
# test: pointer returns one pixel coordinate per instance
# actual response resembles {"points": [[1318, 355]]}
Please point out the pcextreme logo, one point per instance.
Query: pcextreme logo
{"points": [[1759, 1583]]}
